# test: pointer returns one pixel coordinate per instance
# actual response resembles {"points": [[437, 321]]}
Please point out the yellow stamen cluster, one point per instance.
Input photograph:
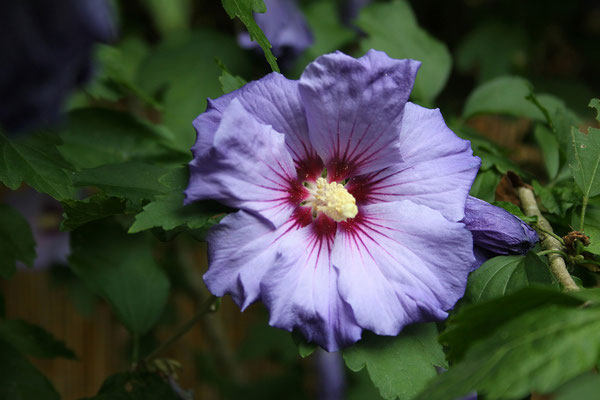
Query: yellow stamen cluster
{"points": [[332, 199]]}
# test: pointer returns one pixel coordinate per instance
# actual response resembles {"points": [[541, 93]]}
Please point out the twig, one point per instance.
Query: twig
{"points": [[204, 308], [551, 251], [219, 347], [548, 242]]}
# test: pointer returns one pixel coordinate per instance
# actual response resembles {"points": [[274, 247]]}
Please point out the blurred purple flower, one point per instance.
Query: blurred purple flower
{"points": [[285, 27], [496, 231], [44, 215], [351, 8], [46, 49], [349, 199]]}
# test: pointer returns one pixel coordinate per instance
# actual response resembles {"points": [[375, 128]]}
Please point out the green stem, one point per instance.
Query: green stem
{"points": [[182, 330], [586, 261], [583, 207], [552, 251], [554, 235]]}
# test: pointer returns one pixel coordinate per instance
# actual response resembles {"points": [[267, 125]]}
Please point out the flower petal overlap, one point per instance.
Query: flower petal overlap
{"points": [[402, 256]]}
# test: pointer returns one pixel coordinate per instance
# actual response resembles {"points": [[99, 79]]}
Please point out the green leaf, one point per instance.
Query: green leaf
{"points": [[229, 82], [400, 366], [169, 15], [21, 380], [121, 269], [503, 275], [193, 76], [509, 50], [507, 95], [243, 10], [94, 137], [168, 212], [583, 387], [133, 180], [478, 321], [118, 65], [559, 198], [328, 31], [550, 149], [34, 160], [534, 352], [33, 340], [80, 212], [135, 386], [392, 27], [585, 158], [484, 186], [516, 211], [16, 241], [305, 349], [2, 307]]}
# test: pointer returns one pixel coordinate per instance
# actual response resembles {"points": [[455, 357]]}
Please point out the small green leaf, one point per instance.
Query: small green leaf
{"points": [[243, 10], [585, 159], [80, 212], [400, 366], [507, 95], [135, 386], [503, 275], [534, 352], [550, 149], [168, 212], [16, 241], [34, 160], [121, 269], [305, 349], [392, 27], [19, 379], [478, 321], [229, 82], [33, 340]]}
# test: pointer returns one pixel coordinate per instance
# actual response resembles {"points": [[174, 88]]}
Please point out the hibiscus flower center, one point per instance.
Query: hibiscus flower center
{"points": [[332, 199]]}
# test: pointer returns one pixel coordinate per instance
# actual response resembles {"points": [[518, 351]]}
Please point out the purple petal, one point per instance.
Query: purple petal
{"points": [[437, 171], [354, 110], [401, 263], [247, 167], [272, 100], [285, 27], [496, 230], [303, 294], [241, 248]]}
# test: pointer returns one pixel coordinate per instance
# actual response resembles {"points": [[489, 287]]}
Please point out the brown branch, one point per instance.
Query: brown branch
{"points": [[558, 266]]}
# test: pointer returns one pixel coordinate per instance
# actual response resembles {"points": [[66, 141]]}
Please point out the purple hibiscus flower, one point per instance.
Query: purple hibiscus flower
{"points": [[496, 231], [46, 49], [285, 27], [350, 199]]}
